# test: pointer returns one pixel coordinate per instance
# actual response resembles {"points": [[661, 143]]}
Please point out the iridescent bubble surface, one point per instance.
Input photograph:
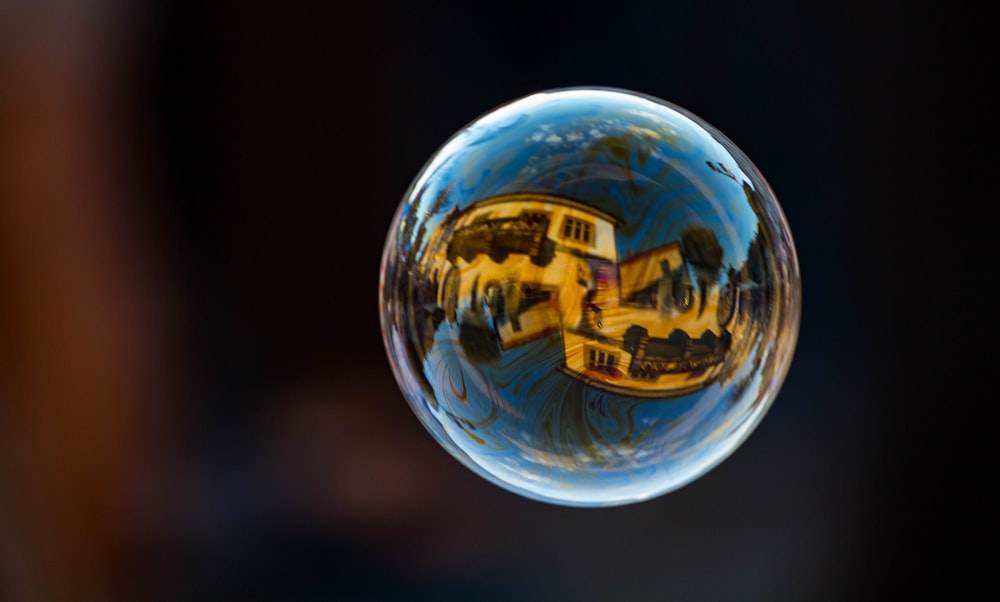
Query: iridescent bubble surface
{"points": [[589, 296]]}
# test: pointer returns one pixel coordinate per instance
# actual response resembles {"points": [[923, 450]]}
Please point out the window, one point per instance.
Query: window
{"points": [[534, 216], [602, 361], [535, 221], [579, 230]]}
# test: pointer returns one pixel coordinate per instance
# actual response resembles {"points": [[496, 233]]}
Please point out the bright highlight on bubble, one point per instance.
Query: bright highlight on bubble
{"points": [[589, 296]]}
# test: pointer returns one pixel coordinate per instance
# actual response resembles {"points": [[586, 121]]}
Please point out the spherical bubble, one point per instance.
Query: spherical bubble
{"points": [[589, 296]]}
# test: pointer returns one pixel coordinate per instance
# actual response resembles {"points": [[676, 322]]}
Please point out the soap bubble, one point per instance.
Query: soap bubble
{"points": [[589, 296]]}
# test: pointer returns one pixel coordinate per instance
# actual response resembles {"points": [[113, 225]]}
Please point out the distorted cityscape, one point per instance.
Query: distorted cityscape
{"points": [[516, 268]]}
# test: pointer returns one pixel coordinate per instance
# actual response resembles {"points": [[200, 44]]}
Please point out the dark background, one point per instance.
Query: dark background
{"points": [[198, 404]]}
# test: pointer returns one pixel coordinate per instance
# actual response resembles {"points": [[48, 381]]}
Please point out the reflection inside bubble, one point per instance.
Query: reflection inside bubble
{"points": [[590, 302], [519, 267]]}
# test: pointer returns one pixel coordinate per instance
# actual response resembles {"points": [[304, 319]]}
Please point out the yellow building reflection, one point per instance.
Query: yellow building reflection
{"points": [[518, 267]]}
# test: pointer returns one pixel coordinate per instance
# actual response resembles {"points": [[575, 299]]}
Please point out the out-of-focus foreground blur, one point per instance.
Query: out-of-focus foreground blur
{"points": [[194, 398]]}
